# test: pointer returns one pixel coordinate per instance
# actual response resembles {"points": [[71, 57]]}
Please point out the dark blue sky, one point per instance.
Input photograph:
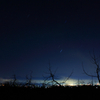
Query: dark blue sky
{"points": [[62, 31]]}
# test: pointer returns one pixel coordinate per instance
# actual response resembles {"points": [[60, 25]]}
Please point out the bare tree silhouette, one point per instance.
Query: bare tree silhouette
{"points": [[29, 79], [95, 60], [14, 82], [52, 77]]}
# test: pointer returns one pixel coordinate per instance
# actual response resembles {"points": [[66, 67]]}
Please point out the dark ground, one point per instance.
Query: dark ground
{"points": [[61, 93]]}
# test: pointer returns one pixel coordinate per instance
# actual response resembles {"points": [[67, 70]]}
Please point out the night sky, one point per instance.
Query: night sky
{"points": [[61, 32]]}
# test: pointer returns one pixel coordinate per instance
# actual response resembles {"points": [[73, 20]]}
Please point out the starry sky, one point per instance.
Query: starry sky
{"points": [[34, 33]]}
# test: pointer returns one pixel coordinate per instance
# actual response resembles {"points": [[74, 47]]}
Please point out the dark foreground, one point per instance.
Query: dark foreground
{"points": [[55, 93]]}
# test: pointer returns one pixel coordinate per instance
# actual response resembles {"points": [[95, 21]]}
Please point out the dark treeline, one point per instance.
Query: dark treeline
{"points": [[53, 92]]}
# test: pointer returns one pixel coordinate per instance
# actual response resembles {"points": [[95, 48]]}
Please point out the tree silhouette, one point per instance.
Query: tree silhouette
{"points": [[95, 60], [29, 79], [14, 82], [52, 77]]}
